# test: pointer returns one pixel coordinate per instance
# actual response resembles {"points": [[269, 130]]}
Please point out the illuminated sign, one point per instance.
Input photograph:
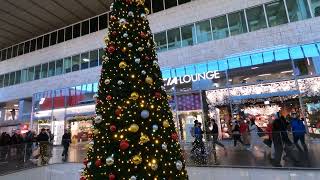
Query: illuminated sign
{"points": [[192, 78]]}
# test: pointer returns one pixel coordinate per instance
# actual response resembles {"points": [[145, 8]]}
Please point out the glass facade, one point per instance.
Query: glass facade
{"points": [[298, 10], [188, 35], [237, 23], [256, 18], [174, 38], [220, 28], [315, 7], [203, 30], [276, 13]]}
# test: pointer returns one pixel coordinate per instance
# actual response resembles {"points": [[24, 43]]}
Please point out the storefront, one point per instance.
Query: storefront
{"points": [[254, 85]]}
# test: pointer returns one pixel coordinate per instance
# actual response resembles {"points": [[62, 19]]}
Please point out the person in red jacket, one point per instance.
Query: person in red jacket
{"points": [[244, 129]]}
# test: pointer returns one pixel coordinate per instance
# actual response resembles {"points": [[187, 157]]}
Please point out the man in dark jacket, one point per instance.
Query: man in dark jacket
{"points": [[66, 140], [43, 140]]}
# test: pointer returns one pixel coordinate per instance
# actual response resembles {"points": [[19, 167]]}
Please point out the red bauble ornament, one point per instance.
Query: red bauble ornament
{"points": [[83, 178], [113, 18], [174, 136], [118, 112], [85, 162], [98, 162], [147, 58], [143, 35], [128, 1], [111, 49], [109, 97], [158, 95], [112, 177], [114, 33], [124, 145], [113, 128]]}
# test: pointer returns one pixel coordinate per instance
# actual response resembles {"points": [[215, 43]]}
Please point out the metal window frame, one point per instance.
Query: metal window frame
{"points": [[246, 19], [310, 8], [227, 15], [265, 14], [286, 9]]}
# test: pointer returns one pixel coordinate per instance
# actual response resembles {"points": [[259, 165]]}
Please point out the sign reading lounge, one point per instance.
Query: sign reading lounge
{"points": [[192, 78]]}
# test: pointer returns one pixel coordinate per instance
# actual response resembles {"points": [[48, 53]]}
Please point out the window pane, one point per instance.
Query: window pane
{"points": [[160, 39], [59, 67], [276, 13], [1, 80], [33, 45], [103, 21], [170, 3], [61, 35], [256, 18], [220, 27], [37, 72], [4, 54], [51, 69], [39, 42], [76, 30], [93, 24], [26, 47], [101, 53], [12, 78], [53, 38], [298, 10], [20, 49], [174, 40], [85, 60], [46, 40], [6, 80], [157, 5], [237, 23], [315, 7], [203, 31], [30, 73], [9, 53], [15, 51], [188, 35], [183, 1], [67, 65], [18, 77], [93, 58], [76, 63], [44, 70], [85, 28], [68, 33], [24, 75]]}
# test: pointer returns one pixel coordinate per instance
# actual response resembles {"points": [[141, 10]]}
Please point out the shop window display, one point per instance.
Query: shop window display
{"points": [[81, 128]]}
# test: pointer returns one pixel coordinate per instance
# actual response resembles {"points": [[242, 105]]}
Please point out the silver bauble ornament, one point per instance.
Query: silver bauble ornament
{"points": [[122, 21], [137, 60], [140, 49], [164, 147], [155, 127], [107, 81], [143, 72], [109, 161], [179, 165], [145, 114], [143, 15], [154, 166], [125, 35], [130, 14], [130, 45], [133, 178], [98, 119], [120, 82]]}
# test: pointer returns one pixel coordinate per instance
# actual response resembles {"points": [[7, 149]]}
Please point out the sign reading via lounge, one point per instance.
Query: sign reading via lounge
{"points": [[192, 78]]}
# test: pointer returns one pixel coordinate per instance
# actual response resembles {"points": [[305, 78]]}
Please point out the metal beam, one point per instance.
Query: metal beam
{"points": [[70, 12]]}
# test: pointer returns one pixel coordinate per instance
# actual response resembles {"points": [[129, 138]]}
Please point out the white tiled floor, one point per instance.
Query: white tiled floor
{"points": [[71, 172]]}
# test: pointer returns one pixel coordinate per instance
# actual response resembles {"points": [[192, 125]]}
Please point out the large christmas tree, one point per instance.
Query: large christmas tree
{"points": [[134, 132]]}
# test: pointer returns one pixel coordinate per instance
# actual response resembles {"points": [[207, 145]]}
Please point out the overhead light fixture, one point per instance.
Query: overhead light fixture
{"points": [[262, 75], [285, 72], [16, 105], [246, 78], [254, 67], [230, 80], [86, 60]]}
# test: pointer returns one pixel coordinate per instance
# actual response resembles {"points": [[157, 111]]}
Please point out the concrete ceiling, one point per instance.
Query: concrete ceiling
{"points": [[21, 20]]}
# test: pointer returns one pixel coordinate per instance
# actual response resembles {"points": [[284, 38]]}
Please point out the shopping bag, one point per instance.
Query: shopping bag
{"points": [[36, 153]]}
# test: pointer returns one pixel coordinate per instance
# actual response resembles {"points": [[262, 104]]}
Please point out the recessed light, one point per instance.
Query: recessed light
{"points": [[86, 60], [261, 75], [16, 105], [255, 67]]}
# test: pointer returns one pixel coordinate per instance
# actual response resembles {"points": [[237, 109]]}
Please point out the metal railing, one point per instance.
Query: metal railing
{"points": [[277, 149]]}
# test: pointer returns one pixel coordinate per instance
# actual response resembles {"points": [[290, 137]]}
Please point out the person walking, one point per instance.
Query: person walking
{"points": [[215, 138], [198, 143], [298, 131], [66, 140], [244, 129], [43, 140], [29, 139], [236, 134], [254, 136]]}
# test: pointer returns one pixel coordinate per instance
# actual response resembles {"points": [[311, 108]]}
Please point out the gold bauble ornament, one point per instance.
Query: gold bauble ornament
{"points": [[96, 131], [147, 11], [134, 128], [166, 124], [134, 96], [154, 166], [140, 2], [149, 80], [144, 139], [106, 39], [123, 64], [137, 159]]}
